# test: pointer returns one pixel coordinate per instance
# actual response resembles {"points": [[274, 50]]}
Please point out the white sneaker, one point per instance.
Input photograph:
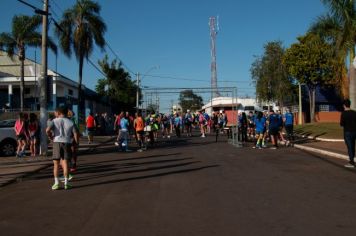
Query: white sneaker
{"points": [[349, 166], [116, 144]]}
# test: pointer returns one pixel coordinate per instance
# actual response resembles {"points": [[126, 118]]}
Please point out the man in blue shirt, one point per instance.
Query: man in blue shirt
{"points": [[288, 120], [273, 128]]}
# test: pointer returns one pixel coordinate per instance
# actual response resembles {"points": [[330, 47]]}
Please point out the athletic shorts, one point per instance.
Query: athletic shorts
{"points": [[91, 130], [140, 133], [259, 132], [62, 151], [21, 137], [273, 130]]}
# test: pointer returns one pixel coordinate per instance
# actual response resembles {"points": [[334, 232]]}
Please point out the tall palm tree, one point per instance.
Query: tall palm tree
{"points": [[340, 27], [78, 29], [24, 33]]}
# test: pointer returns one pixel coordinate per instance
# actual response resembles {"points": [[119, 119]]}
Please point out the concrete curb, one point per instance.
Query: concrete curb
{"points": [[322, 152], [320, 139]]}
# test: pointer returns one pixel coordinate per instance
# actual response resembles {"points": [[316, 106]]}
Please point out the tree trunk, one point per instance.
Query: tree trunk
{"points": [[22, 76], [352, 82]]}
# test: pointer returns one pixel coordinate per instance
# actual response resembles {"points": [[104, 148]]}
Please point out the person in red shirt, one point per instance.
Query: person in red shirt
{"points": [[90, 124]]}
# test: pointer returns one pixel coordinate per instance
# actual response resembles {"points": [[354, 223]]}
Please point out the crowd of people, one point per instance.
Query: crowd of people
{"points": [[62, 130], [145, 130], [261, 126]]}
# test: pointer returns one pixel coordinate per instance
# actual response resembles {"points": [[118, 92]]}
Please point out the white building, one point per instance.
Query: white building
{"points": [[228, 104], [60, 89]]}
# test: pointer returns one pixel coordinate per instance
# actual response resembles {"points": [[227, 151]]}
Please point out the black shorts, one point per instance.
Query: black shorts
{"points": [[91, 130], [274, 131], [62, 151], [140, 133], [21, 137]]}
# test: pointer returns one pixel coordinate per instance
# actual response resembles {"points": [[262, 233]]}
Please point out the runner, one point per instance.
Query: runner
{"points": [[202, 123], [33, 128], [260, 123], [123, 134], [166, 123], [188, 120], [139, 126], [288, 120], [280, 128], [61, 130], [251, 126], [90, 124], [273, 128], [243, 127], [21, 135], [177, 124], [75, 142]]}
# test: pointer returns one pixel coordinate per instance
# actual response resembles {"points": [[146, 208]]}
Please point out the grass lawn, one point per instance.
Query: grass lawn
{"points": [[320, 130]]}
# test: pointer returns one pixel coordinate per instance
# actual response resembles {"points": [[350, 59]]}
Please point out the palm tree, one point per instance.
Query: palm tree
{"points": [[339, 27], [24, 33], [78, 29]]}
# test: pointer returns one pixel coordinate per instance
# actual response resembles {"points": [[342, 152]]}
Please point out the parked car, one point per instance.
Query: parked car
{"points": [[8, 142]]}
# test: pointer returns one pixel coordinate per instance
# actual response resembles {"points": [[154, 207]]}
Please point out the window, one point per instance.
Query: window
{"points": [[324, 108], [70, 92]]}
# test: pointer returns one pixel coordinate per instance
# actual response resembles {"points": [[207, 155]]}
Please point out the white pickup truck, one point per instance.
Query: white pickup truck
{"points": [[8, 142]]}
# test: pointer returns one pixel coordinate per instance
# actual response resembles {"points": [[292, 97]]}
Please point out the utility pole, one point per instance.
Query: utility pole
{"points": [[300, 115], [137, 90], [43, 81]]}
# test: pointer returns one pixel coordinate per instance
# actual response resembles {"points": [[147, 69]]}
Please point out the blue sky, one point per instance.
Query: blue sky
{"points": [[174, 35]]}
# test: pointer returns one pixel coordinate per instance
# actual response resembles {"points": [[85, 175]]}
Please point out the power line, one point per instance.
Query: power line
{"points": [[121, 61]]}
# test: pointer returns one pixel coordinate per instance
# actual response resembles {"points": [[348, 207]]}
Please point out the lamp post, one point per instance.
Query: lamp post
{"points": [[138, 80]]}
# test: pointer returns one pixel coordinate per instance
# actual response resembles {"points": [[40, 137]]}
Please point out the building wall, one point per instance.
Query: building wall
{"points": [[332, 116]]}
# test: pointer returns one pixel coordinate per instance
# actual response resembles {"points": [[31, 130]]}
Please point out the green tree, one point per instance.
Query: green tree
{"points": [[339, 26], [189, 100], [270, 75], [117, 85], [24, 33], [80, 27], [311, 62]]}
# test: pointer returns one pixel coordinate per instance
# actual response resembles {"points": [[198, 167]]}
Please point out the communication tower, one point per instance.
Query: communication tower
{"points": [[214, 29]]}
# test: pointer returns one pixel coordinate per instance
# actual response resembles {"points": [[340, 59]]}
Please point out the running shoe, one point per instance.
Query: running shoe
{"points": [[139, 150], [274, 148], [70, 177], [349, 165], [116, 144], [55, 186], [67, 186]]}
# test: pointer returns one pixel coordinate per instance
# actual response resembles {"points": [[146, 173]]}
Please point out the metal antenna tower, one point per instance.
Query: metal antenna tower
{"points": [[214, 29]]}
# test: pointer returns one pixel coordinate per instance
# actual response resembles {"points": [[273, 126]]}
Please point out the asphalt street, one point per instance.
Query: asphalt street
{"points": [[188, 186]]}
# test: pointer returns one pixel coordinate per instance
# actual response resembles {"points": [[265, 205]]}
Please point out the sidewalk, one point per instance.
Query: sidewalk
{"points": [[332, 148], [13, 169]]}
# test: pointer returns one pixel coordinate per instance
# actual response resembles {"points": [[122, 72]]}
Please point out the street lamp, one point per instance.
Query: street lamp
{"points": [[138, 84]]}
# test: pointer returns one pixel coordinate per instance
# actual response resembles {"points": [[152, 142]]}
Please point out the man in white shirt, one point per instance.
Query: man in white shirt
{"points": [[61, 130]]}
